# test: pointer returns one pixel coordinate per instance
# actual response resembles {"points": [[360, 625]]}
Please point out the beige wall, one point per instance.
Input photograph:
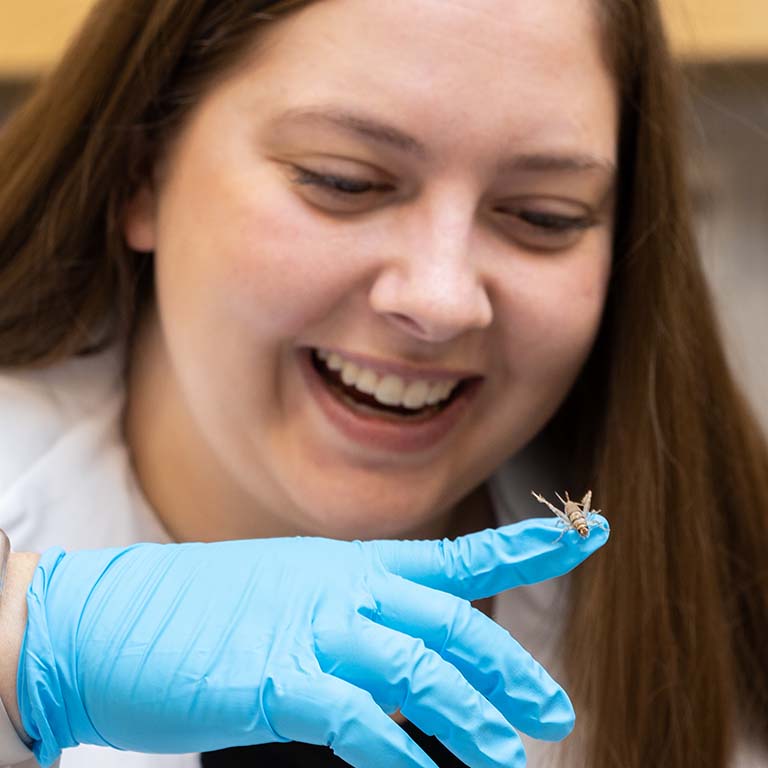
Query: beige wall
{"points": [[33, 33], [717, 29]]}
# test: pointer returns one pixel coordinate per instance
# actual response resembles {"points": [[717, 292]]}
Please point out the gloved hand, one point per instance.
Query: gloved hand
{"points": [[197, 647]]}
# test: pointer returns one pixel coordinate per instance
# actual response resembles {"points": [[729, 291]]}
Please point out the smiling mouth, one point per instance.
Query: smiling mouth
{"points": [[367, 404]]}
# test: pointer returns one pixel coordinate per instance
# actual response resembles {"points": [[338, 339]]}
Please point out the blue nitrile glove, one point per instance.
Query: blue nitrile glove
{"points": [[197, 647]]}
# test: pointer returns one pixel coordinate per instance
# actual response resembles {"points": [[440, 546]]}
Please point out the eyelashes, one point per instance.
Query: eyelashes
{"points": [[338, 184], [550, 230], [554, 222]]}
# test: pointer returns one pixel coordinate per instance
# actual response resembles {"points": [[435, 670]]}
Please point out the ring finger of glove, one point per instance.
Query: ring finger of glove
{"points": [[483, 651], [399, 671]]}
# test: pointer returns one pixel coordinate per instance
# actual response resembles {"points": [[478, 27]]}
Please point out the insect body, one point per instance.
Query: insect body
{"points": [[575, 514]]}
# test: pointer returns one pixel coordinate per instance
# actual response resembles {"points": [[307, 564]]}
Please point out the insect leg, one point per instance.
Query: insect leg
{"points": [[554, 509], [592, 522]]}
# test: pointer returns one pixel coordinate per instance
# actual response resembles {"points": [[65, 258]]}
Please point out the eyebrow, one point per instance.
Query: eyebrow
{"points": [[375, 130]]}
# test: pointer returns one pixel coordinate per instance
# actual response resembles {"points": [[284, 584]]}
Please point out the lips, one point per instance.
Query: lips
{"points": [[373, 427]]}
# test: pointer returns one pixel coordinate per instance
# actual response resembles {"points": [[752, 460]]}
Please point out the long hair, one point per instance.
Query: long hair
{"points": [[665, 643]]}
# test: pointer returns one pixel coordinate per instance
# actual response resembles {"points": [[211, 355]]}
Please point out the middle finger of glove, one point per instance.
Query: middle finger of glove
{"points": [[400, 672], [484, 652]]}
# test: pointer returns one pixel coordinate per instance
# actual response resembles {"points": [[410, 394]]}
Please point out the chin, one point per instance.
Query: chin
{"points": [[366, 523]]}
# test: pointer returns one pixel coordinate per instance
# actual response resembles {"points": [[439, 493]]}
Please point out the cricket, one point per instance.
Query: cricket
{"points": [[575, 515]]}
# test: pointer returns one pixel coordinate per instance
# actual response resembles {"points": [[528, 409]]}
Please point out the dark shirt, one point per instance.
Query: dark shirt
{"points": [[296, 755]]}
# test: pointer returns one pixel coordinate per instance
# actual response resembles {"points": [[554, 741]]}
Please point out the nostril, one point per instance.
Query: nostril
{"points": [[409, 323]]}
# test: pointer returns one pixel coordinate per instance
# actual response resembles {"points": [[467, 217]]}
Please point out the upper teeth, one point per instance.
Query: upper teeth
{"points": [[389, 389]]}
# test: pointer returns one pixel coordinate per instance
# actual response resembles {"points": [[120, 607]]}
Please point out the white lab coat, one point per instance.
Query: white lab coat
{"points": [[66, 480]]}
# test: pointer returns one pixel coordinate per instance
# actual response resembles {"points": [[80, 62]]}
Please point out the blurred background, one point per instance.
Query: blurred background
{"points": [[723, 47]]}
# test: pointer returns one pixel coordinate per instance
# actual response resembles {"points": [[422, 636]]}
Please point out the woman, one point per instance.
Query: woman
{"points": [[355, 257]]}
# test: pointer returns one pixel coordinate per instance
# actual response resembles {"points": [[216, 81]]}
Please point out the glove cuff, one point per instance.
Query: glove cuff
{"points": [[51, 708]]}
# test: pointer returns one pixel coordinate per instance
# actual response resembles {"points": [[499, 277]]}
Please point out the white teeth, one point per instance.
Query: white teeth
{"points": [[349, 374], [334, 362], [433, 395], [439, 391], [389, 389], [415, 396], [367, 381]]}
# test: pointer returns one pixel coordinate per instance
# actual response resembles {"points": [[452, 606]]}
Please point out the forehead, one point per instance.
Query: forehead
{"points": [[456, 72]]}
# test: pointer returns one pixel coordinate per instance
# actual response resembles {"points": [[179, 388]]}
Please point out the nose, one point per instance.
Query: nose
{"points": [[435, 291]]}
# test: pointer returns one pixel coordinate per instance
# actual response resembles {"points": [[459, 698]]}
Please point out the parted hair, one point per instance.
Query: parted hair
{"points": [[666, 638]]}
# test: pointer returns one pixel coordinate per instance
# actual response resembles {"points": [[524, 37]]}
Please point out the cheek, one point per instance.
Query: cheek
{"points": [[260, 264], [552, 316], [285, 276]]}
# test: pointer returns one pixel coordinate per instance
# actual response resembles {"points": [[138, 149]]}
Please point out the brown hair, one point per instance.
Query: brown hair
{"points": [[666, 639]]}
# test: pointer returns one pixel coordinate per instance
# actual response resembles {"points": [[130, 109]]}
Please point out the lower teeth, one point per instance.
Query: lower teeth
{"points": [[420, 415]]}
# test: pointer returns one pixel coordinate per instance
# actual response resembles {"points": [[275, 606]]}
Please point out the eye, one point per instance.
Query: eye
{"points": [[551, 222], [342, 188], [546, 230]]}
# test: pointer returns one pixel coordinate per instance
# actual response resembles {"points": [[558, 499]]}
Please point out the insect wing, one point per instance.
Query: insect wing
{"points": [[563, 516]]}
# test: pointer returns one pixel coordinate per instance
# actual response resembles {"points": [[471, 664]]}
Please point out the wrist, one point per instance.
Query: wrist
{"points": [[13, 622]]}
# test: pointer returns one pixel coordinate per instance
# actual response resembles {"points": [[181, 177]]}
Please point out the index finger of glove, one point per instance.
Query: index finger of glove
{"points": [[488, 657], [487, 562]]}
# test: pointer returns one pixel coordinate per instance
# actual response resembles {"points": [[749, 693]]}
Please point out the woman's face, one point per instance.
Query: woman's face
{"points": [[423, 190]]}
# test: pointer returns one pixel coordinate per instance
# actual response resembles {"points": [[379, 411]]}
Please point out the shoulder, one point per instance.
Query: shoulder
{"points": [[40, 406]]}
